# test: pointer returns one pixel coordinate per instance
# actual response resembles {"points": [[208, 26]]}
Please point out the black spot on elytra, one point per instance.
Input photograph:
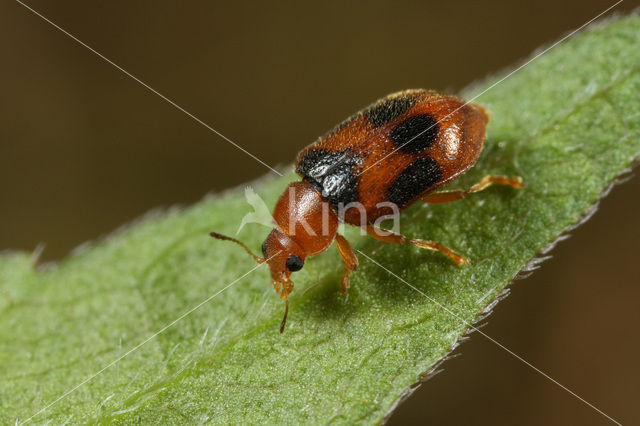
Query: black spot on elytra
{"points": [[387, 109], [332, 174], [416, 178], [415, 134], [264, 249]]}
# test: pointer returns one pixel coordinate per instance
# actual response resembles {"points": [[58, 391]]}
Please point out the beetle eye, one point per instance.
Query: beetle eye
{"points": [[294, 263]]}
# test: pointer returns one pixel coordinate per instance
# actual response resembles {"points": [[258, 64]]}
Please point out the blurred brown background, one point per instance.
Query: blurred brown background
{"points": [[84, 149]]}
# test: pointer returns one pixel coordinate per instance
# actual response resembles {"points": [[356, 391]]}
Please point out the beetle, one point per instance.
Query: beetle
{"points": [[371, 166]]}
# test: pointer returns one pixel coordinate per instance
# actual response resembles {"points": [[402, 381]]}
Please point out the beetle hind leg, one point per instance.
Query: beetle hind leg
{"points": [[393, 238], [485, 182]]}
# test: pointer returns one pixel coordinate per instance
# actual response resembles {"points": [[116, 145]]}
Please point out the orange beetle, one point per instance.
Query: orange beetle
{"points": [[373, 165]]}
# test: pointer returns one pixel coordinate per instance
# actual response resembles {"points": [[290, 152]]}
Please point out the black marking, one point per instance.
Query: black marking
{"points": [[264, 249], [418, 177], [294, 263], [388, 109], [332, 174], [415, 134]]}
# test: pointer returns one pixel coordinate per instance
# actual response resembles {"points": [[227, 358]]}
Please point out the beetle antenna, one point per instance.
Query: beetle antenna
{"points": [[243, 245], [286, 312]]}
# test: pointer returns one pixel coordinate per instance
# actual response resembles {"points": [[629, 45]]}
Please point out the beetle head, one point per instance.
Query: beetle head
{"points": [[283, 255]]}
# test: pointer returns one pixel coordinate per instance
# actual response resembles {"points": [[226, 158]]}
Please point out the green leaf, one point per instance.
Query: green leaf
{"points": [[568, 123]]}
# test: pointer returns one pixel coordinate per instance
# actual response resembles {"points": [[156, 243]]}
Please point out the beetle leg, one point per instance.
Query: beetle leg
{"points": [[387, 236], [488, 180], [349, 260]]}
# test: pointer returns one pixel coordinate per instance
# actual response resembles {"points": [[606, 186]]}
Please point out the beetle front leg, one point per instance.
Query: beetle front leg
{"points": [[349, 260]]}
